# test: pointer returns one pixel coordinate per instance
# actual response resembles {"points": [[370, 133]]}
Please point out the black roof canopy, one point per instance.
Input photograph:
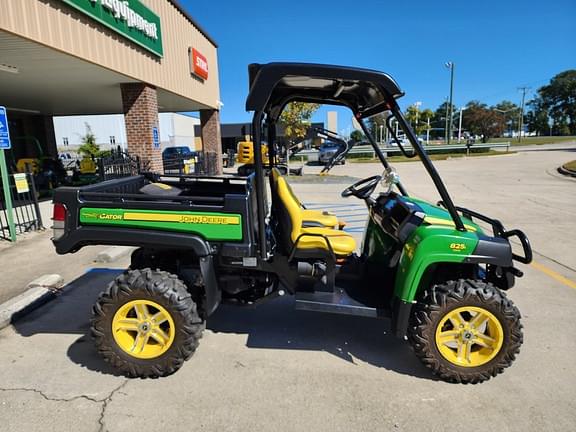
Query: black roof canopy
{"points": [[364, 91]]}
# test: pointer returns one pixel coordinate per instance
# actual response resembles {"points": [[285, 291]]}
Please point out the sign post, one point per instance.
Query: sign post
{"points": [[6, 145]]}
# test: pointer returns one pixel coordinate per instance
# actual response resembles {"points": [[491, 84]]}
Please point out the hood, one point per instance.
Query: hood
{"points": [[436, 215]]}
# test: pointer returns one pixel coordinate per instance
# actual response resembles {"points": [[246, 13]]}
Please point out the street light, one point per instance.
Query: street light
{"points": [[449, 65], [460, 124]]}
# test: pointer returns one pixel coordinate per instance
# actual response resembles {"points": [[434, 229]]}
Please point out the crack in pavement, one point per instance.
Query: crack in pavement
{"points": [[105, 401]]}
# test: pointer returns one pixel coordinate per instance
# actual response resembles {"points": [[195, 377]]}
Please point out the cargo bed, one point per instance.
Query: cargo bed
{"points": [[209, 214]]}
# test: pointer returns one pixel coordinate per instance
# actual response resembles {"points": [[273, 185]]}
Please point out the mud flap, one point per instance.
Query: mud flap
{"points": [[213, 294]]}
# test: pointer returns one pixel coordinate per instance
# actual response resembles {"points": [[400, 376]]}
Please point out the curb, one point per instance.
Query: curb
{"points": [[39, 292], [113, 253], [566, 172]]}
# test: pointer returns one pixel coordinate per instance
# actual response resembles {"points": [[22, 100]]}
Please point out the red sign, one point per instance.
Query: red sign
{"points": [[199, 64]]}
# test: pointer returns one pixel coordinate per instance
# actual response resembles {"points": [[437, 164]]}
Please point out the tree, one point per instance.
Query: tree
{"points": [[510, 112], [559, 98], [89, 148], [483, 121], [438, 120], [295, 119], [418, 119], [357, 136], [537, 118]]}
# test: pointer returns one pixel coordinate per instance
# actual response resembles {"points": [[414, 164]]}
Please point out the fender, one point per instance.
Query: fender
{"points": [[76, 239], [428, 245]]}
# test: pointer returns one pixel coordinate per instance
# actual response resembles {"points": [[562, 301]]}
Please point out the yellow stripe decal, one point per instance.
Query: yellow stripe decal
{"points": [[437, 221], [556, 276], [187, 219]]}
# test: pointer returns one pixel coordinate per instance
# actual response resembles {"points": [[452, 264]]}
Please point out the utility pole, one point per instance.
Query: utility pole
{"points": [[521, 119], [450, 65], [428, 133]]}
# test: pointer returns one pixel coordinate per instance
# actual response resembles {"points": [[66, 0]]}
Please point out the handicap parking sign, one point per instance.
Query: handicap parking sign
{"points": [[4, 132], [156, 137]]}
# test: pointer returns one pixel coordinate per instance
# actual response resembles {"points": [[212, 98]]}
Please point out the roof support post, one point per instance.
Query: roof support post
{"points": [[260, 192], [428, 165]]}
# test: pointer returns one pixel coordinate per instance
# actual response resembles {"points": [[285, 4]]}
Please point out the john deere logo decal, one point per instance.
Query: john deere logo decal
{"points": [[210, 225], [91, 215]]}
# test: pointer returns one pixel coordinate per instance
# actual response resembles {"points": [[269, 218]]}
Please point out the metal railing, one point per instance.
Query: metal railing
{"points": [[26, 210], [431, 149]]}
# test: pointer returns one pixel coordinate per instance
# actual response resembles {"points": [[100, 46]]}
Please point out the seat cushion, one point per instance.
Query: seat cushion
{"points": [[318, 218], [343, 244]]}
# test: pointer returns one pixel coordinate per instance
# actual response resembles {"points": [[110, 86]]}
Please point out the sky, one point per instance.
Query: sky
{"points": [[496, 46]]}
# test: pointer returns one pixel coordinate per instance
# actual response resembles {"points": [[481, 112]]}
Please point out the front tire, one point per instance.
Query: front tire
{"points": [[146, 324], [465, 331]]}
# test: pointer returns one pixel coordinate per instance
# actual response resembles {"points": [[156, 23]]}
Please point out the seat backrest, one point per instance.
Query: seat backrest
{"points": [[286, 210]]}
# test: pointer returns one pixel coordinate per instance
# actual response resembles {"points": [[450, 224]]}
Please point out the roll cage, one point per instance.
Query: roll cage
{"points": [[365, 92]]}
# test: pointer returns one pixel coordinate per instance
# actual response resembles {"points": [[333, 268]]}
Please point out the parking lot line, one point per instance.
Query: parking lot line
{"points": [[556, 276]]}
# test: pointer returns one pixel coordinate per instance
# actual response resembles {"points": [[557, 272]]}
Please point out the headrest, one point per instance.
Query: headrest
{"points": [[160, 189]]}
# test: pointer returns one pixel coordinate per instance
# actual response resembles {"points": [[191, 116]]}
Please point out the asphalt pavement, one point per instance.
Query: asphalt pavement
{"points": [[274, 368]]}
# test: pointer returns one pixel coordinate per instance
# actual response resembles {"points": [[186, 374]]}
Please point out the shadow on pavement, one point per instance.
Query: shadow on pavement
{"points": [[274, 325], [70, 314], [277, 325]]}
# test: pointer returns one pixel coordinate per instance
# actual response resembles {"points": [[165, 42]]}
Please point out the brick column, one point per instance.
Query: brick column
{"points": [[140, 104], [51, 145], [211, 142]]}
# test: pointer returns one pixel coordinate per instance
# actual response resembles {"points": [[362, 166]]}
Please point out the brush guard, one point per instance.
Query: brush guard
{"points": [[499, 231]]}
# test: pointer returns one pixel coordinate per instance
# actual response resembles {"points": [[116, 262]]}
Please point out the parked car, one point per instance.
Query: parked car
{"points": [[328, 150], [178, 152]]}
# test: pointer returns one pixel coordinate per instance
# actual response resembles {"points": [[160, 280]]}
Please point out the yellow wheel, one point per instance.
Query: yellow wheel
{"points": [[469, 336], [146, 323], [143, 329], [465, 331]]}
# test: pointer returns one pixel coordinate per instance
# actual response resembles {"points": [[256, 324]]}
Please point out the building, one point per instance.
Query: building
{"points": [[86, 57], [176, 129]]}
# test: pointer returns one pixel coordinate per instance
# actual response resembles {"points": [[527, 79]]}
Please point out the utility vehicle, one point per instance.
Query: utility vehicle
{"points": [[430, 269]]}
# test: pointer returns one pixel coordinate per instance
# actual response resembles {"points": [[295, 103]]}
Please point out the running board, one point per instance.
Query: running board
{"points": [[338, 302]]}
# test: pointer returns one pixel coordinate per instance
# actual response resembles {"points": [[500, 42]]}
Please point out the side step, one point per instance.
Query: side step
{"points": [[335, 302]]}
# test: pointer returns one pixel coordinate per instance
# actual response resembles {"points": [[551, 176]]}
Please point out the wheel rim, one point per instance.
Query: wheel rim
{"points": [[143, 329], [469, 336]]}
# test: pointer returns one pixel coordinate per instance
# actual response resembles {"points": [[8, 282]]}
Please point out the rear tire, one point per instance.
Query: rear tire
{"points": [[481, 348], [117, 324]]}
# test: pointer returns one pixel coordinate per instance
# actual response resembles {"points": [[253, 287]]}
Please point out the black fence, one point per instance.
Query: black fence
{"points": [[197, 164], [26, 210], [119, 164]]}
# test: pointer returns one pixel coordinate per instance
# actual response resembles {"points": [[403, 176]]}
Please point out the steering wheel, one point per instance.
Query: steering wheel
{"points": [[362, 189]]}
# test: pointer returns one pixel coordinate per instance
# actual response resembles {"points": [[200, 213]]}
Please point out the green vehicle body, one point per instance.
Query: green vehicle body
{"points": [[436, 241]]}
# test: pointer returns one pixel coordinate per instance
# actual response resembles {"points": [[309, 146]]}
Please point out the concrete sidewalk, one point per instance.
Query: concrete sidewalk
{"points": [[33, 255]]}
